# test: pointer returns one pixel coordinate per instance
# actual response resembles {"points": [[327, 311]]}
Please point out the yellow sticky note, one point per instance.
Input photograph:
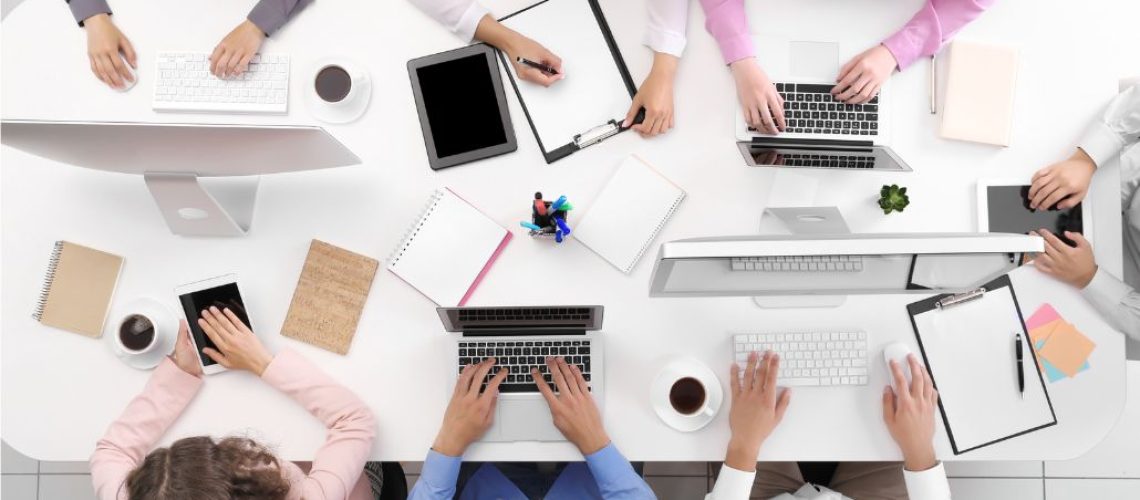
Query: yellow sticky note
{"points": [[1067, 349]]}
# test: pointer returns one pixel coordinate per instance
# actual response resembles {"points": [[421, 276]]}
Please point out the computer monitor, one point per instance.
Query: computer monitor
{"points": [[171, 158], [835, 265]]}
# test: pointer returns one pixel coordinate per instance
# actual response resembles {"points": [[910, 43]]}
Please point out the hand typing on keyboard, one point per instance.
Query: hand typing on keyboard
{"points": [[861, 78], [573, 409], [758, 406], [763, 107], [232, 55], [471, 411]]}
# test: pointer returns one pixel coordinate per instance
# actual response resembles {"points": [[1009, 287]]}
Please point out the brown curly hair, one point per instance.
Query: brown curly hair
{"points": [[197, 468]]}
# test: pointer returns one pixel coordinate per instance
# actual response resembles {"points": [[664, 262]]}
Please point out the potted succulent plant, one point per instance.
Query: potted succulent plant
{"points": [[893, 198]]}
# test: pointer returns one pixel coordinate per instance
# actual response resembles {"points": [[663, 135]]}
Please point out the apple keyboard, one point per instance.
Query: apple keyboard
{"points": [[184, 83], [822, 263], [810, 358]]}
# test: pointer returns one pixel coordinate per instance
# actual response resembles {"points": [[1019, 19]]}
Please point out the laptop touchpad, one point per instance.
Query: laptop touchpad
{"points": [[817, 61], [527, 420]]}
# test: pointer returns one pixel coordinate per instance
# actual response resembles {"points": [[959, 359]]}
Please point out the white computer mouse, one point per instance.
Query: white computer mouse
{"points": [[131, 83], [897, 351]]}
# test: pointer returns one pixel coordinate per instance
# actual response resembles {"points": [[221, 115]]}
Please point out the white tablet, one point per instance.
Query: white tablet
{"points": [[1003, 207], [221, 292]]}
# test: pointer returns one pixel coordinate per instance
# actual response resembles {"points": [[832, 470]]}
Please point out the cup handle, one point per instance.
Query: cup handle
{"points": [[708, 411]]}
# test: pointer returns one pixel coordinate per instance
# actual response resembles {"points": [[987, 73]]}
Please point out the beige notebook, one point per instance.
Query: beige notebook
{"points": [[78, 289], [979, 93], [330, 296]]}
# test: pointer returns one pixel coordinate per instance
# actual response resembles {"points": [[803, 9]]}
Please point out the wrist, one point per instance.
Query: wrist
{"points": [[1084, 281], [664, 64], [919, 459], [449, 445], [100, 19], [262, 363], [741, 456], [594, 444], [253, 28], [1083, 157], [491, 32], [742, 64]]}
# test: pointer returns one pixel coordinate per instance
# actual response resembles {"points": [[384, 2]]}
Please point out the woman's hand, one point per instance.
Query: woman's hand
{"points": [[516, 45], [763, 106], [239, 348], [185, 356], [656, 96], [232, 55], [105, 43], [861, 78]]}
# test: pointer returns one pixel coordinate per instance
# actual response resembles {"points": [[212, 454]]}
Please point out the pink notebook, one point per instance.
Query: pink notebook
{"points": [[448, 250]]}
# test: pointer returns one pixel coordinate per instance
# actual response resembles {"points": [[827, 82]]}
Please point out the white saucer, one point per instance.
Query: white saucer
{"points": [[678, 369], [166, 332], [344, 111]]}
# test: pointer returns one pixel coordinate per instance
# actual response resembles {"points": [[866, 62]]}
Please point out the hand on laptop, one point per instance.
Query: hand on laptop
{"points": [[1063, 184], [1073, 265], [516, 45], [861, 78], [470, 413], [656, 96], [232, 55], [763, 107], [105, 43], [909, 414], [758, 405], [238, 347], [184, 355], [575, 413]]}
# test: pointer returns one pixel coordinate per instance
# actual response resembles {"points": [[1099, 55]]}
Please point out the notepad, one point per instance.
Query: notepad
{"points": [[1068, 354], [448, 249], [78, 288], [979, 93], [625, 218], [329, 297]]}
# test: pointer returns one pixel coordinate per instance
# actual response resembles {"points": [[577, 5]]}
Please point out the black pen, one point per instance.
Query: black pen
{"points": [[537, 65], [1020, 366]]}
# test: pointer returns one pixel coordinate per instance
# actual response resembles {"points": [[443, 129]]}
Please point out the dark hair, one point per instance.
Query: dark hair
{"points": [[197, 468]]}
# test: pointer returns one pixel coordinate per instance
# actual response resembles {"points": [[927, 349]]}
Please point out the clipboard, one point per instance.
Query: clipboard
{"points": [[967, 345], [606, 83]]}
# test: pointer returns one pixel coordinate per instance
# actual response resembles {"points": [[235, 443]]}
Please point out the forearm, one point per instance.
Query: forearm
{"points": [[495, 34], [933, 25], [437, 478], [271, 15], [83, 9], [1117, 128], [727, 22], [668, 22], [615, 476], [1116, 301]]}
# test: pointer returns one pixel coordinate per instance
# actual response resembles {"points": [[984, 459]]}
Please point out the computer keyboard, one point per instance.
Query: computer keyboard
{"points": [[818, 263], [810, 109], [810, 358], [519, 356], [183, 82]]}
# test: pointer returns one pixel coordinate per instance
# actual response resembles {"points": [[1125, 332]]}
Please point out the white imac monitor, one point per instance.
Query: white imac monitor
{"points": [[171, 158], [835, 265]]}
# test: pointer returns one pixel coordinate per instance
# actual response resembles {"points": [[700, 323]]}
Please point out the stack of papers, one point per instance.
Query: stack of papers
{"points": [[1062, 350]]}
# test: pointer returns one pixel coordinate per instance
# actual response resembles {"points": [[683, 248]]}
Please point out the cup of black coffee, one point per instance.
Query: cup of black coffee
{"points": [[689, 397], [333, 83], [136, 334]]}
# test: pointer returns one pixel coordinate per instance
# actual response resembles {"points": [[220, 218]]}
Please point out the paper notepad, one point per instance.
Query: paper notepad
{"points": [[448, 249], [329, 297], [979, 93], [624, 219], [78, 288]]}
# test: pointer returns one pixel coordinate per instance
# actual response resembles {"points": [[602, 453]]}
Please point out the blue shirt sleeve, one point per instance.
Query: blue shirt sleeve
{"points": [[615, 476], [438, 477]]}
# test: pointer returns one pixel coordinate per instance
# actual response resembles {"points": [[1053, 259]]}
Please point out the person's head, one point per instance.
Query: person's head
{"points": [[197, 468]]}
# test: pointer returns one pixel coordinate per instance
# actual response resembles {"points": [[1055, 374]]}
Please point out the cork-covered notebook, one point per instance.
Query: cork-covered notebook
{"points": [[330, 296]]}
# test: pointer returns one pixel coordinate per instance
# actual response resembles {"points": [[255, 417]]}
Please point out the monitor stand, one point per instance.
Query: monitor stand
{"points": [[225, 210], [806, 220]]}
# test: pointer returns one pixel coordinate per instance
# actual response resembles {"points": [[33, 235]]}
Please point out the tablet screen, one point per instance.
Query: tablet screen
{"points": [[221, 297], [461, 105], [1009, 212]]}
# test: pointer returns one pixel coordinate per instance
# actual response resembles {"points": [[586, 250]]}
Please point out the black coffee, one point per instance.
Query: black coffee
{"points": [[136, 332], [687, 395], [333, 83]]}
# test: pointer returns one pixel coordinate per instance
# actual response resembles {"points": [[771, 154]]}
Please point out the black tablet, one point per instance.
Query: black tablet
{"points": [[1006, 209], [463, 111]]}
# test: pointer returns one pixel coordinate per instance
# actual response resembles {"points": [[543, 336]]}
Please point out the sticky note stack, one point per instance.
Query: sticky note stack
{"points": [[1062, 350]]}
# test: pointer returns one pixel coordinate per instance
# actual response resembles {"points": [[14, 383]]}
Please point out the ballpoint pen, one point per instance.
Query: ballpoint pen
{"points": [[1020, 366], [537, 65], [557, 205]]}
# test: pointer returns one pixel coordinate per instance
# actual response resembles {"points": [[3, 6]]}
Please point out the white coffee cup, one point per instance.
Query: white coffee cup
{"points": [[338, 90], [137, 333], [689, 397]]}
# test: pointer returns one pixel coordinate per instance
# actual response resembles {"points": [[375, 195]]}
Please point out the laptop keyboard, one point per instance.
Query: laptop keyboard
{"points": [[519, 356], [811, 109]]}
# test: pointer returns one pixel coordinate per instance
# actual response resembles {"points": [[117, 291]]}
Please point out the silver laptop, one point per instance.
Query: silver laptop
{"points": [[520, 338]]}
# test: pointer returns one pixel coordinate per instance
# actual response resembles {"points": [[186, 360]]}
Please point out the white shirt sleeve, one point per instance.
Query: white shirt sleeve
{"points": [[1117, 301], [1117, 128], [930, 484], [460, 16], [732, 484], [668, 23]]}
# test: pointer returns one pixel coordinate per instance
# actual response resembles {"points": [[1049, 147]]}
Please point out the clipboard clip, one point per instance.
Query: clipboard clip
{"points": [[597, 134], [954, 300]]}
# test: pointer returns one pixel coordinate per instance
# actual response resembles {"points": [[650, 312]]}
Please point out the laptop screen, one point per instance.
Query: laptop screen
{"points": [[530, 318]]}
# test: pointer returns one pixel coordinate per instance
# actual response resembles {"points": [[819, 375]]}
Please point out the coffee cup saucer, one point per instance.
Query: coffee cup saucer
{"points": [[166, 332], [354, 105], [663, 382]]}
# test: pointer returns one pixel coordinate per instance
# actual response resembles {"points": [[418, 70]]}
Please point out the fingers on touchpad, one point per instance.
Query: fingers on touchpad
{"points": [[814, 60]]}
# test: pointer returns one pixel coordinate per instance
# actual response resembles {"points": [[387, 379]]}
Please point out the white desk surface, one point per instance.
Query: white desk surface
{"points": [[61, 390]]}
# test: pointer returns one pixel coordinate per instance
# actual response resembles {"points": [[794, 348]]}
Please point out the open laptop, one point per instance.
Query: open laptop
{"points": [[821, 132], [519, 338]]}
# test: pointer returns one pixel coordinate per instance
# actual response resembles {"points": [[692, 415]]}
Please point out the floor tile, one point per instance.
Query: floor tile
{"points": [[997, 489], [69, 486], [14, 462], [1100, 489], [18, 487], [676, 469], [993, 469], [64, 468], [1116, 456], [678, 488]]}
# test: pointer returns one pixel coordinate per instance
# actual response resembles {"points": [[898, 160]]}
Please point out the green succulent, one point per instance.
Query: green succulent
{"points": [[893, 199]]}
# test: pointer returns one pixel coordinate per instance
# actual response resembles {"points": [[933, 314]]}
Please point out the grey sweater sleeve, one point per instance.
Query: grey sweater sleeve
{"points": [[269, 15], [83, 9]]}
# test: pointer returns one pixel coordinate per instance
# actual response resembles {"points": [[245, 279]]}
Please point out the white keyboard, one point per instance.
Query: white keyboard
{"points": [[810, 358], [183, 82], [824, 263]]}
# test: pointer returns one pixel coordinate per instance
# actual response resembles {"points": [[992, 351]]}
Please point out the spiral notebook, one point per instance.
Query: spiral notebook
{"points": [[625, 218], [78, 288], [448, 250]]}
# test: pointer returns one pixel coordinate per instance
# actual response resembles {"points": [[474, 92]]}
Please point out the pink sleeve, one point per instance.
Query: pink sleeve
{"points": [[728, 24], [145, 420], [933, 25], [351, 426]]}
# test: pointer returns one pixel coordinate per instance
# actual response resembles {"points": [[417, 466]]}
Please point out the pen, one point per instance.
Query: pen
{"points": [[562, 226], [540, 207], [537, 65], [933, 85], [530, 226], [1020, 366], [558, 236], [557, 205]]}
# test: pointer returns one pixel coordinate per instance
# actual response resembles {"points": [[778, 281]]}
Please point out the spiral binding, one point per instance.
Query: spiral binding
{"points": [[656, 230], [49, 278], [414, 229]]}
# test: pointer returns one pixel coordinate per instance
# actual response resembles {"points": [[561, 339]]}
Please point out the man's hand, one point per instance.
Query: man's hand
{"points": [[239, 348], [1063, 184], [104, 44], [656, 96], [1073, 265], [758, 405], [763, 106], [184, 356], [232, 55], [469, 414], [516, 45], [574, 411], [909, 414], [861, 78]]}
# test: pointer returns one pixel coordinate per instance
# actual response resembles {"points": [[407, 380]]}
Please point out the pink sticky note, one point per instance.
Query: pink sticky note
{"points": [[1044, 314]]}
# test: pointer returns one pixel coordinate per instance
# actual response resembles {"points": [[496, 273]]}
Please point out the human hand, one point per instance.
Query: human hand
{"points": [[521, 46], [763, 107], [469, 414], [1063, 184], [573, 409], [861, 78], [240, 348], [232, 55], [1073, 265], [909, 414], [104, 44], [184, 355], [758, 405], [656, 96]]}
